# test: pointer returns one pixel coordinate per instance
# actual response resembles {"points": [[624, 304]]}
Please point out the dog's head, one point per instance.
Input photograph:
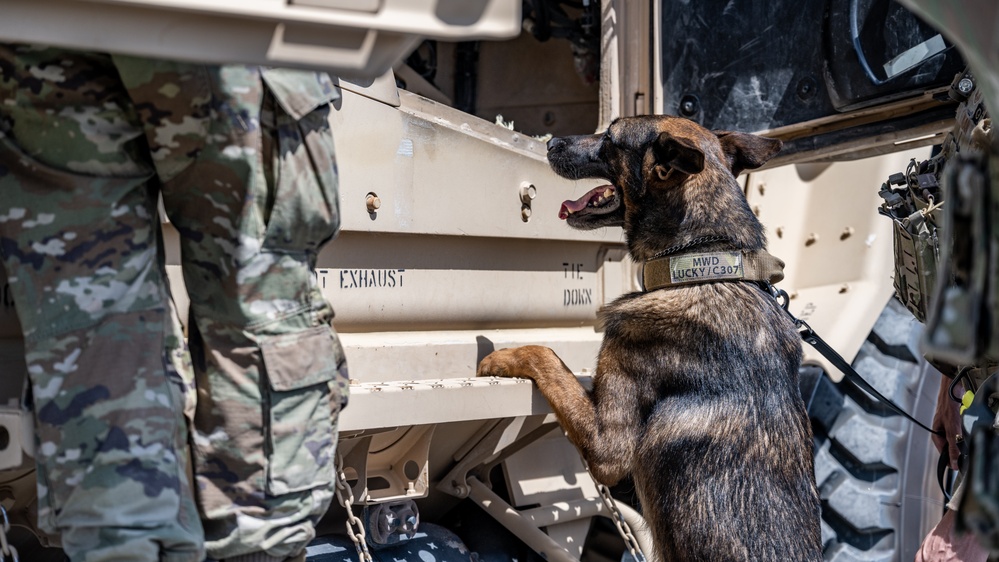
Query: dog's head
{"points": [[646, 156]]}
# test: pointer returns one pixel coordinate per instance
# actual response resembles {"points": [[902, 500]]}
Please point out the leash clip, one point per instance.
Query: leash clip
{"points": [[782, 298], [784, 301]]}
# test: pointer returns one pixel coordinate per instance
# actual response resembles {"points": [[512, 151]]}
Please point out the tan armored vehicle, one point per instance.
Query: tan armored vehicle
{"points": [[451, 245]]}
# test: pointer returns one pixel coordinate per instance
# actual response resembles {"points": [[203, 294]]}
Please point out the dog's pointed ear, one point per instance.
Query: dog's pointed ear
{"points": [[747, 151], [678, 153]]}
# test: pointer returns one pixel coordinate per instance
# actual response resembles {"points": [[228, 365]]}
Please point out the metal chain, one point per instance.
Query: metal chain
{"points": [[355, 527], [623, 528], [6, 549], [692, 243]]}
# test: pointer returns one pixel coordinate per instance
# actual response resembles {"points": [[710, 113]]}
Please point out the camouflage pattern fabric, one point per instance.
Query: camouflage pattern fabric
{"points": [[244, 160]]}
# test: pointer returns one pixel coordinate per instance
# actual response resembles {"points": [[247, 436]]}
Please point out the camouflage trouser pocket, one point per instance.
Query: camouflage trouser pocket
{"points": [[305, 209], [301, 433]]}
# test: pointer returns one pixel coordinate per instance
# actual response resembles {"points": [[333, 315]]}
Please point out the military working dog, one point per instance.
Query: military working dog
{"points": [[695, 393]]}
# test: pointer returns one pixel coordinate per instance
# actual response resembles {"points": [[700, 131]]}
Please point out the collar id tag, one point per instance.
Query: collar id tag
{"points": [[696, 268]]}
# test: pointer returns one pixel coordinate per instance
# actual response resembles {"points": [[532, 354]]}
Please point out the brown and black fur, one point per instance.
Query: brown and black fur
{"points": [[696, 388]]}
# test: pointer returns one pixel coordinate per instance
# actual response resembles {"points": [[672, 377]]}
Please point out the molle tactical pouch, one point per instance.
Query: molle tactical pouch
{"points": [[912, 201]]}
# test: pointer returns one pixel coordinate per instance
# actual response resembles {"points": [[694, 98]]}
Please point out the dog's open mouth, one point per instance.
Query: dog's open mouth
{"points": [[598, 201]]}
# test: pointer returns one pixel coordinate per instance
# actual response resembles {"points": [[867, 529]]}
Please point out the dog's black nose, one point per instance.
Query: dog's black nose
{"points": [[555, 141]]}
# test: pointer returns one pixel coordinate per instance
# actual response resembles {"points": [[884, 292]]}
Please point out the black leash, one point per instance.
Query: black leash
{"points": [[808, 335]]}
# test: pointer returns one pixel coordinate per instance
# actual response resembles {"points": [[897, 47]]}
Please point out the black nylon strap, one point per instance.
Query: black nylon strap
{"points": [[809, 336]]}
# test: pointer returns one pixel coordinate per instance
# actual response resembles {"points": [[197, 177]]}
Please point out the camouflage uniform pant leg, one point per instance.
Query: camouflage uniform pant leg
{"points": [[253, 208], [105, 354]]}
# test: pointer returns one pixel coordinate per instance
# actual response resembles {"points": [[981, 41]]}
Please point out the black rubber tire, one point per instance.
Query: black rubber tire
{"points": [[876, 471]]}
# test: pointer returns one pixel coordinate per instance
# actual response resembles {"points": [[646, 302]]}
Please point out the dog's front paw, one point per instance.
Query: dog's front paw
{"points": [[501, 363], [519, 362]]}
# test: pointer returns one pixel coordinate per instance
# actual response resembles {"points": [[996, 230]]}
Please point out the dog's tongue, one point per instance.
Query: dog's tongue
{"points": [[569, 207]]}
